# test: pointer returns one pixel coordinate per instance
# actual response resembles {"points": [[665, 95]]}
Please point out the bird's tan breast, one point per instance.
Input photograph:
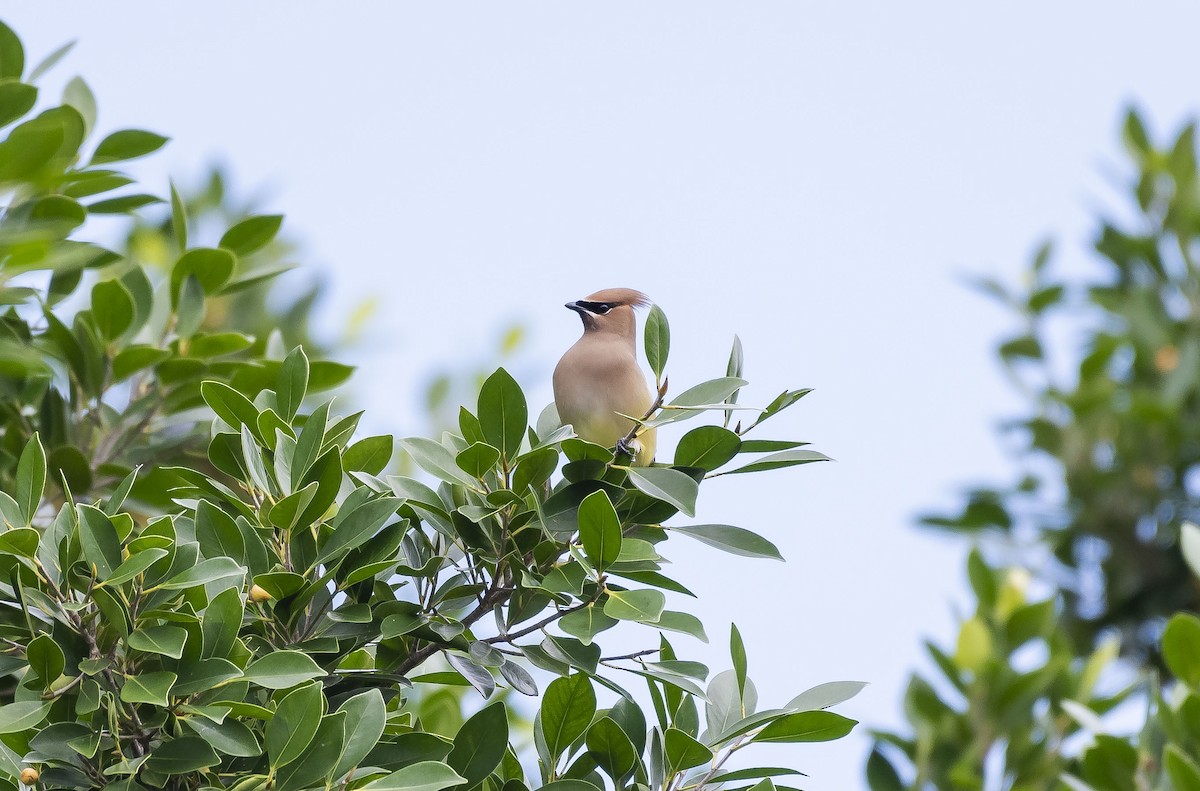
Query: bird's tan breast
{"points": [[594, 381]]}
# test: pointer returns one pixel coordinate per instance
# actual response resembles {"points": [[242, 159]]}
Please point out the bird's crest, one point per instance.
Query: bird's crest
{"points": [[620, 296]]}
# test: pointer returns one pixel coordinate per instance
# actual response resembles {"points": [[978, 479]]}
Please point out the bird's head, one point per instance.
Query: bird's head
{"points": [[610, 310]]}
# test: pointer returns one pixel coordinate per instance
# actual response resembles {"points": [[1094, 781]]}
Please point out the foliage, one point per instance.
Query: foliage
{"points": [[1110, 443], [210, 581], [1107, 479]]}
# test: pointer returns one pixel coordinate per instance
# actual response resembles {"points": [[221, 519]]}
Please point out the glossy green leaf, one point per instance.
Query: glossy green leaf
{"points": [[294, 724], [421, 776], [99, 540], [503, 414], [642, 605], [599, 530], [806, 726], [657, 340], [127, 144], [735, 540], [365, 718], [292, 383], [230, 736], [480, 744], [31, 478], [252, 234], [166, 640], [567, 710], [153, 688], [670, 486], [707, 447], [182, 755], [1181, 648], [282, 670]]}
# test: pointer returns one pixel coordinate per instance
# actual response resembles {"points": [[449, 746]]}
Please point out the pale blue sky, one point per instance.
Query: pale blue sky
{"points": [[812, 177]]}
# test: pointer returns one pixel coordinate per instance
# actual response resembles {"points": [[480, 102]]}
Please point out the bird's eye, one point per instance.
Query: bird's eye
{"points": [[603, 308]]}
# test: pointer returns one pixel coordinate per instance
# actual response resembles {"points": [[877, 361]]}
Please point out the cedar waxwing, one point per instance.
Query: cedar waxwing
{"points": [[599, 376]]}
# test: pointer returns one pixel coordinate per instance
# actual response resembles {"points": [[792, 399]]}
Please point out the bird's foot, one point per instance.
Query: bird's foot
{"points": [[629, 449]]}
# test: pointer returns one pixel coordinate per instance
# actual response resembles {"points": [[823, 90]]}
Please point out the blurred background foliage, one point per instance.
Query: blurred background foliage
{"points": [[1080, 565]]}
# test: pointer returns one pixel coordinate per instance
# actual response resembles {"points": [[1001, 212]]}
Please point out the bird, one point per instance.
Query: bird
{"points": [[598, 380]]}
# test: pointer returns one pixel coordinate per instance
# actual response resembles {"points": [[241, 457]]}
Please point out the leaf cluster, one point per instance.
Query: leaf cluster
{"points": [[210, 579]]}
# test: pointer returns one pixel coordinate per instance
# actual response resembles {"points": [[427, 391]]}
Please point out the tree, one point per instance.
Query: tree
{"points": [[209, 580], [1107, 461]]}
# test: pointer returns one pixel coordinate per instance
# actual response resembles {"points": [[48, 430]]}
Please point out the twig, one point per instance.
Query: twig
{"points": [[623, 444]]}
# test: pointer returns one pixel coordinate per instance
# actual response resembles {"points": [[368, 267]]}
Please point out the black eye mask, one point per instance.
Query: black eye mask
{"points": [[599, 308]]}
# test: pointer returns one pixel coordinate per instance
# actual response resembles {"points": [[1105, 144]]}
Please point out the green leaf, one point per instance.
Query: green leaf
{"points": [[99, 540], [360, 525], [657, 340], [670, 486], [16, 99], [479, 744], [599, 530], [787, 458], [77, 94], [292, 383], [477, 460], [436, 460], [123, 204], [165, 640], [135, 565], [684, 752], [230, 405], [294, 724], [251, 234], [218, 344], [503, 414], [728, 538], [12, 54], [211, 267], [806, 726], [282, 670], [822, 696], [737, 651], [1184, 774], [49, 61], [45, 658], [218, 533], [586, 623], [182, 755], [132, 359], [20, 542], [230, 736], [179, 225], [148, 688], [23, 715], [127, 144], [567, 710], [421, 776], [366, 715], [707, 447], [371, 455], [320, 757], [1181, 648], [644, 606], [608, 745], [204, 572], [31, 478]]}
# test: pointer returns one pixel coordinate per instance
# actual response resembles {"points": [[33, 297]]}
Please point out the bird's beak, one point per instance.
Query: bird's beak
{"points": [[575, 306]]}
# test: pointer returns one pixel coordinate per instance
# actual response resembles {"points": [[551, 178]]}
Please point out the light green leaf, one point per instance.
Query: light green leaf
{"points": [[657, 340], [23, 715], [148, 688], [31, 478], [252, 234], [421, 776], [806, 726], [166, 640], [644, 606], [670, 486], [283, 669], [735, 540]]}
